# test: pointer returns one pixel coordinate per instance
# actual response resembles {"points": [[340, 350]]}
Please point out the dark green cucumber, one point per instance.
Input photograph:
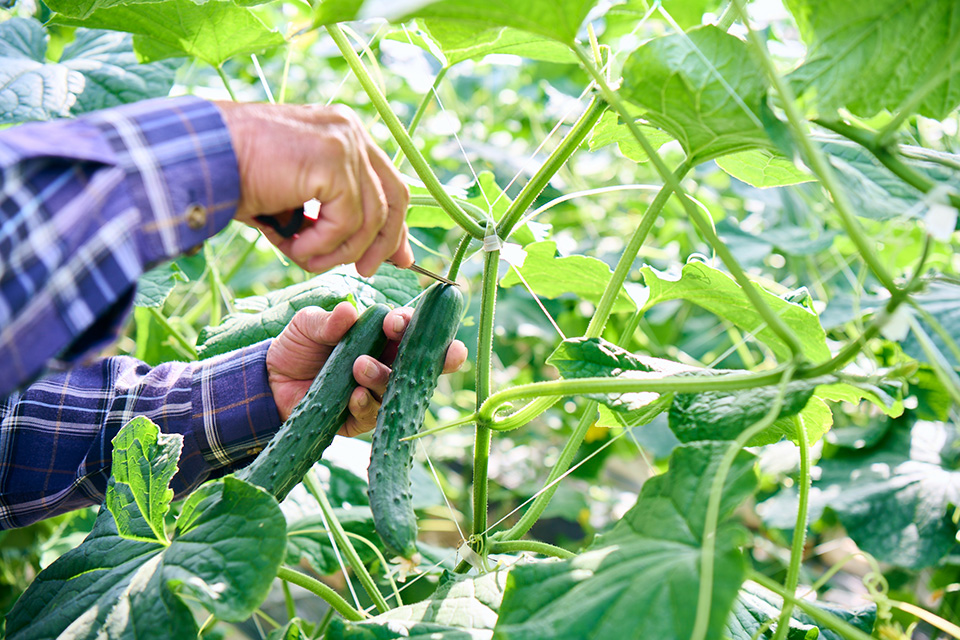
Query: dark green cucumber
{"points": [[309, 430], [416, 370]]}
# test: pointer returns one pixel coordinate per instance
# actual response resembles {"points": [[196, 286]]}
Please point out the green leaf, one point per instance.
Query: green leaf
{"points": [[712, 108], [462, 608], [623, 18], [31, 88], [724, 415], [875, 191], [261, 317], [112, 73], [213, 32], [942, 301], [155, 285], [555, 19], [895, 500], [763, 168], [127, 581], [459, 41], [144, 462], [590, 357], [756, 605], [718, 293], [610, 130], [866, 56], [551, 276], [98, 69], [641, 579]]}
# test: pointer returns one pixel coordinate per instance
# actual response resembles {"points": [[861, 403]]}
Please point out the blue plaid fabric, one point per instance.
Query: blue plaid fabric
{"points": [[86, 206]]}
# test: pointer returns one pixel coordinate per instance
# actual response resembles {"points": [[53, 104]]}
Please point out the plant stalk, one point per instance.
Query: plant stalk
{"points": [[533, 546], [481, 448], [570, 143], [343, 542], [400, 134], [458, 256], [799, 530], [421, 110], [321, 590]]}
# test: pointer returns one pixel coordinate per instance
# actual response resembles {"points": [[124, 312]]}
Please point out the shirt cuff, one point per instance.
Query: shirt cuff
{"points": [[181, 171], [234, 413]]}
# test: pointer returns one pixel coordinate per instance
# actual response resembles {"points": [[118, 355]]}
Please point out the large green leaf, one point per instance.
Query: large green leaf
{"points": [[712, 108], [262, 317], [718, 293], [98, 69], [724, 415], [552, 276], [591, 357], [641, 579], [213, 31], [155, 285], [755, 606], [870, 55], [126, 580], [875, 191], [895, 500], [462, 608], [456, 42]]}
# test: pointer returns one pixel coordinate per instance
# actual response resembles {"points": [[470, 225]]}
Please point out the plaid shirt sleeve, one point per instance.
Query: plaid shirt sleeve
{"points": [[88, 205], [55, 436]]}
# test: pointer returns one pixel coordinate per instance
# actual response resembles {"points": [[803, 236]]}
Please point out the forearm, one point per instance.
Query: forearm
{"points": [[55, 436]]}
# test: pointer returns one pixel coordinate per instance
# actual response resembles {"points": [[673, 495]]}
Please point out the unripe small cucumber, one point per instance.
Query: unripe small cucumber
{"points": [[412, 382], [309, 430]]}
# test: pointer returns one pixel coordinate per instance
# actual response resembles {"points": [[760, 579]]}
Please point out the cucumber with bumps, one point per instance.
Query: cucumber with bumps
{"points": [[311, 427], [412, 382]]}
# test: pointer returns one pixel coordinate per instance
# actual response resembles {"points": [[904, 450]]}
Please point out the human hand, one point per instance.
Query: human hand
{"points": [[289, 154], [300, 351]]}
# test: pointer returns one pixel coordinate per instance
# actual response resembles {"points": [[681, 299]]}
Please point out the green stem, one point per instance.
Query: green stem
{"points": [[533, 513], [288, 601], [586, 386], [162, 319], [343, 542], [421, 110], [481, 448], [534, 546], [817, 160], [321, 590], [215, 284], [458, 256], [799, 530], [774, 321], [529, 411], [400, 134], [226, 82], [887, 157], [471, 209], [625, 263], [570, 143], [820, 616], [712, 519]]}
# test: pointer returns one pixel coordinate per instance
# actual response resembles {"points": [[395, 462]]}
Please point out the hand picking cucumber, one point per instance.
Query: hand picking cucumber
{"points": [[412, 382], [309, 430]]}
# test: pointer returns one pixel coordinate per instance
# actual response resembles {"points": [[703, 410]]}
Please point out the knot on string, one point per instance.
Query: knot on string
{"points": [[491, 241]]}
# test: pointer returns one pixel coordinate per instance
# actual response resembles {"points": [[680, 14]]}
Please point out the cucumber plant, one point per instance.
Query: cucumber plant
{"points": [[764, 269]]}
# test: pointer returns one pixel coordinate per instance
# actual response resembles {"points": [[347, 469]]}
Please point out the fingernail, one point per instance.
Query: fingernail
{"points": [[399, 323], [364, 399], [370, 371]]}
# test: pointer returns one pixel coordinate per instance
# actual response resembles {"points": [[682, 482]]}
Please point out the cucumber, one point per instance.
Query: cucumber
{"points": [[412, 382], [309, 430]]}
